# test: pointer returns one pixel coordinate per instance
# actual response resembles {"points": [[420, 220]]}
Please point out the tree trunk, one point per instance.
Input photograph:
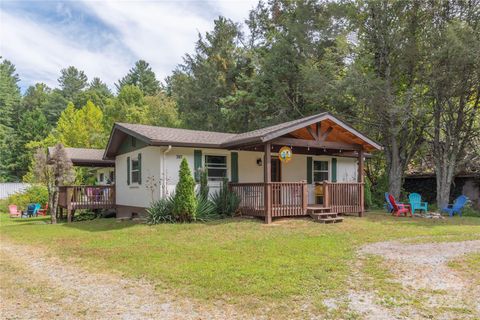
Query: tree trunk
{"points": [[53, 206], [394, 168]]}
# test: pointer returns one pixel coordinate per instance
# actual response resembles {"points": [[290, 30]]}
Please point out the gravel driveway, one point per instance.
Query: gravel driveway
{"points": [[36, 286]]}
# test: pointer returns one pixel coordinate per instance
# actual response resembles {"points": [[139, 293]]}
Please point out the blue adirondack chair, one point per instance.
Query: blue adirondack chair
{"points": [[416, 202], [388, 206], [31, 210], [456, 207]]}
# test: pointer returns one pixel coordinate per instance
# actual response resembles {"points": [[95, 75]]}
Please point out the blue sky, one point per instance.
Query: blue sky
{"points": [[105, 38]]}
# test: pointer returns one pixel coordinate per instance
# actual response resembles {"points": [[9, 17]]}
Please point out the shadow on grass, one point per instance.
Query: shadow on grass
{"points": [[101, 224]]}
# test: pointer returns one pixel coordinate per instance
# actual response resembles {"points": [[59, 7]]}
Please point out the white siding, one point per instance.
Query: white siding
{"points": [[106, 175], [134, 194], [248, 171], [175, 156]]}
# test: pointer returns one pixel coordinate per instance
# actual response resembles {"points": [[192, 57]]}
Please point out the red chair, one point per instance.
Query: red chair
{"points": [[43, 212], [399, 208]]}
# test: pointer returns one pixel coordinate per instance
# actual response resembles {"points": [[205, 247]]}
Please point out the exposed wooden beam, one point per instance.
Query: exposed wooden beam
{"points": [[316, 144], [326, 134], [318, 126], [312, 133]]}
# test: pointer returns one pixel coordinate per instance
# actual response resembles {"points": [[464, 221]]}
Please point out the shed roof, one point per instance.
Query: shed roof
{"points": [[86, 157]]}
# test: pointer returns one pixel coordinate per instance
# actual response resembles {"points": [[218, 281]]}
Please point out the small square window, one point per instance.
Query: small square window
{"points": [[216, 167], [101, 177], [320, 171]]}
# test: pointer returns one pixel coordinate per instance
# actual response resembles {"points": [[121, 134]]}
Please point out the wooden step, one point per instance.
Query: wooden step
{"points": [[319, 208], [329, 220], [323, 214]]}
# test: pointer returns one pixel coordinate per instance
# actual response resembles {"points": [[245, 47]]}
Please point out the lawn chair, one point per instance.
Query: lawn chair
{"points": [[399, 208], [456, 207], [31, 211], [43, 212], [388, 206], [14, 213], [416, 203]]}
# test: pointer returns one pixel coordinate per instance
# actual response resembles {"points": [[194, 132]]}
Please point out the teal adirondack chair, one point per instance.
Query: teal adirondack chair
{"points": [[416, 202]]}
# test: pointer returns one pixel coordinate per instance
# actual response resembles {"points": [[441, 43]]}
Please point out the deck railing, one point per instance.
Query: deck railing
{"points": [[291, 198], [251, 196], [344, 197], [86, 197], [286, 198]]}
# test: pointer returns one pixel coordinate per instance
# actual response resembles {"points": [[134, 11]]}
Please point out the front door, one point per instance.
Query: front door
{"points": [[276, 170], [276, 177]]}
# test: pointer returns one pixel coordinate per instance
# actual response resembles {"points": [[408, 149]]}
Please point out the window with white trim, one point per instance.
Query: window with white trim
{"points": [[216, 167], [135, 170], [320, 171]]}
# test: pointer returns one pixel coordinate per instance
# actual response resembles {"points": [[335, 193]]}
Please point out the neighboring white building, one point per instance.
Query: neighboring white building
{"points": [[147, 158], [93, 158]]}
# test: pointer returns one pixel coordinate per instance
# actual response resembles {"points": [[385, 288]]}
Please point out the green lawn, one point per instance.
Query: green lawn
{"points": [[242, 261]]}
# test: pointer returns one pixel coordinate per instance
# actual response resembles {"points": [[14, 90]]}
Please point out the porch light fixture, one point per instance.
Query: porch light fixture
{"points": [[259, 162]]}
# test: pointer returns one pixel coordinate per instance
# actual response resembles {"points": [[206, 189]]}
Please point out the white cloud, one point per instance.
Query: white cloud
{"points": [[158, 32], [39, 52]]}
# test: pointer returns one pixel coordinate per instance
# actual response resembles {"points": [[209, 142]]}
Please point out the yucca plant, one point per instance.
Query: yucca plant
{"points": [[161, 211], [226, 202]]}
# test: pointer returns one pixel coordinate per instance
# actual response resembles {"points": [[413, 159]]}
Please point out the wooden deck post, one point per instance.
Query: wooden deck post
{"points": [[267, 178], [361, 179], [304, 197]]}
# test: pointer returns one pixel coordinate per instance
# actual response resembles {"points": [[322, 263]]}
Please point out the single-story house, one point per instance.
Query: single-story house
{"points": [[281, 170], [93, 158]]}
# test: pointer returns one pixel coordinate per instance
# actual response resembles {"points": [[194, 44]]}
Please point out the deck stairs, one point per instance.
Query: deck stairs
{"points": [[323, 214]]}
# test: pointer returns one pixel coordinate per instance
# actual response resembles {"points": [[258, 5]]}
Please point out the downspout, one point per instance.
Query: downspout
{"points": [[164, 172]]}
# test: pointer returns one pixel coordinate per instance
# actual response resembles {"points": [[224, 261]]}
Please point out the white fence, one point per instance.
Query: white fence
{"points": [[9, 188]]}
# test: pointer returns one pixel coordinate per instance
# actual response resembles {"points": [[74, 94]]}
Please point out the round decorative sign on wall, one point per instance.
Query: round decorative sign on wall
{"points": [[285, 154]]}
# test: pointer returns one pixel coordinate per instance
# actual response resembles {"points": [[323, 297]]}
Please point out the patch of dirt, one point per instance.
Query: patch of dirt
{"points": [[424, 275], [37, 286]]}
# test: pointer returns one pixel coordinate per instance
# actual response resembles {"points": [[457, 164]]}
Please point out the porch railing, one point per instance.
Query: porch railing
{"points": [[291, 198], [86, 197], [286, 198], [344, 197]]}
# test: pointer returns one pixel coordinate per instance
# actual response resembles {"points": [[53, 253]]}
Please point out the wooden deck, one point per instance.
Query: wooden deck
{"points": [[86, 197], [291, 199]]}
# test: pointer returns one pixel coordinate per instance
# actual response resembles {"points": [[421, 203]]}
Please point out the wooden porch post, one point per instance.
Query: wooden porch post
{"points": [[361, 179], [267, 178]]}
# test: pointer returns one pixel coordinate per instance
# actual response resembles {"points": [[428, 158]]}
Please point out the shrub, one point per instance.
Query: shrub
{"points": [[33, 194], [185, 202], [161, 211], [204, 189], [226, 202], [205, 208], [85, 215]]}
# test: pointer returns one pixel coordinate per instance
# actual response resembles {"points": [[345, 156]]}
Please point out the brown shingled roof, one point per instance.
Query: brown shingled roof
{"points": [[164, 135], [86, 157], [158, 136]]}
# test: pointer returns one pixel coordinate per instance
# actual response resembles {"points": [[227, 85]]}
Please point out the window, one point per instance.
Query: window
{"points": [[216, 167], [135, 171], [111, 176], [101, 177], [320, 171]]}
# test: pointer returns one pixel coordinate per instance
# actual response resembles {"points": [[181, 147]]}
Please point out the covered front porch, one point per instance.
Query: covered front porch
{"points": [[310, 184]]}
